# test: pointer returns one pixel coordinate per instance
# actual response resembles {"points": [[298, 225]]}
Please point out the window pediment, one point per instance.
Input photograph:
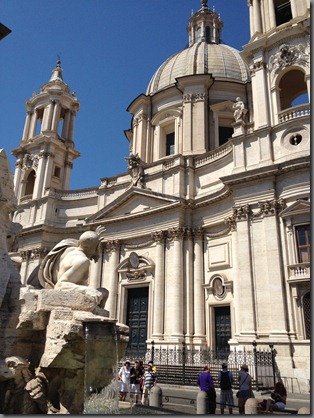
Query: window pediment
{"points": [[300, 207]]}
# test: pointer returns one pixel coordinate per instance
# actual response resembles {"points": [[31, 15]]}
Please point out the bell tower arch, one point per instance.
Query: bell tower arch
{"points": [[46, 152]]}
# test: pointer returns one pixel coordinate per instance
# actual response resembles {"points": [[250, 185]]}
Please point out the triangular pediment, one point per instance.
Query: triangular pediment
{"points": [[300, 207], [134, 201]]}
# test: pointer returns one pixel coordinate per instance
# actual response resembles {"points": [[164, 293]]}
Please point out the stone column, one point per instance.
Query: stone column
{"points": [[156, 146], [294, 8], [199, 303], [45, 172], [46, 124], [187, 139], [56, 116], [112, 286], [244, 310], [18, 176], [96, 268], [71, 125], [272, 16], [27, 125], [159, 291], [189, 285], [257, 16], [32, 127], [199, 110], [66, 124], [251, 18], [273, 264], [175, 285]]}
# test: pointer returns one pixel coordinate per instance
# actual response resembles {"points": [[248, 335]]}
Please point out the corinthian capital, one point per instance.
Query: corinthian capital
{"points": [[175, 233], [158, 236]]}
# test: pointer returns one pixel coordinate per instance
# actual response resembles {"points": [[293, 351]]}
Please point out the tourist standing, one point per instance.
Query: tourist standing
{"points": [[136, 380], [124, 378], [245, 387], [149, 380], [206, 383], [225, 382]]}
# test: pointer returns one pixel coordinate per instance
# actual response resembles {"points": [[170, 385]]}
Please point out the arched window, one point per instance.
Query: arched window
{"points": [[292, 86], [207, 34], [307, 315], [198, 34], [39, 120], [30, 182]]}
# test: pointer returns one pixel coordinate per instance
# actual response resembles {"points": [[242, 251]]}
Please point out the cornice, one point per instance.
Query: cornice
{"points": [[264, 172]]}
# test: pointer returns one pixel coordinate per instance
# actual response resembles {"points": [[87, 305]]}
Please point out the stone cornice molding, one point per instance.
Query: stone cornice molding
{"points": [[140, 245], [33, 254]]}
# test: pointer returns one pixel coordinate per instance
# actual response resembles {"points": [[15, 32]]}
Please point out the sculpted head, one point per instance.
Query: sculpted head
{"points": [[89, 242]]}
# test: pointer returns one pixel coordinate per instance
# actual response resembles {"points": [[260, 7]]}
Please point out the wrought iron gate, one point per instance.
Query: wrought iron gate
{"points": [[181, 365]]}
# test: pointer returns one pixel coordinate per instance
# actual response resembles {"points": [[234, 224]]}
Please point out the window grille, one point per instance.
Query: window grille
{"points": [[307, 315]]}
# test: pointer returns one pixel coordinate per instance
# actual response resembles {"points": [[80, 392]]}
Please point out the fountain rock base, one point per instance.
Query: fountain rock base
{"points": [[81, 348]]}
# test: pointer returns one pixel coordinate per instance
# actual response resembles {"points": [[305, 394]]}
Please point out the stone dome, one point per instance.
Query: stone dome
{"points": [[219, 60]]}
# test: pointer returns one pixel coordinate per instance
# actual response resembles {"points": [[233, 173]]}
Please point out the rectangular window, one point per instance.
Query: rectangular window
{"points": [[224, 134], [303, 237], [170, 144], [283, 11]]}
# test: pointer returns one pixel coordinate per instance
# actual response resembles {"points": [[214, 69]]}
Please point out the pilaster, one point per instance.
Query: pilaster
{"points": [[113, 248], [159, 289]]}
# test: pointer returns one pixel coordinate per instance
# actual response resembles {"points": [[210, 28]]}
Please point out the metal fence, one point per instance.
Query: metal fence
{"points": [[181, 365]]}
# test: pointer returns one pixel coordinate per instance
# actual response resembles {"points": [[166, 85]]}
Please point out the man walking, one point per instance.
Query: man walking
{"points": [[226, 396], [206, 383]]}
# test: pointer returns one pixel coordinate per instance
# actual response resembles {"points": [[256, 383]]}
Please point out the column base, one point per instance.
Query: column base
{"points": [[199, 340]]}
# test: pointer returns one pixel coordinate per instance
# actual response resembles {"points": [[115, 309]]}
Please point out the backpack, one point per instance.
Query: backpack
{"points": [[225, 383]]}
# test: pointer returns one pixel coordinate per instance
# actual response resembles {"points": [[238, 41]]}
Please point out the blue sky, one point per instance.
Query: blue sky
{"points": [[109, 50]]}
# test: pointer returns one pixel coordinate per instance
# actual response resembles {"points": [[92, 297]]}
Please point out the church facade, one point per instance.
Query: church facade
{"points": [[206, 239]]}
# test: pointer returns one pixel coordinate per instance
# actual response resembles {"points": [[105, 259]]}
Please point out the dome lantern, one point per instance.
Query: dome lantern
{"points": [[205, 26]]}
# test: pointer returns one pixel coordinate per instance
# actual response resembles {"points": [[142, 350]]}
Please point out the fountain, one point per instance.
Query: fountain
{"points": [[59, 344]]}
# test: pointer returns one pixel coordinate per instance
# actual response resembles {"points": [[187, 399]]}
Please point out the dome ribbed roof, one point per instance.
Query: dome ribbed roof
{"points": [[222, 61]]}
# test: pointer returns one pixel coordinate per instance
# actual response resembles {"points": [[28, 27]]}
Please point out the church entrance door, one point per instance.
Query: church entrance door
{"points": [[222, 328], [137, 315]]}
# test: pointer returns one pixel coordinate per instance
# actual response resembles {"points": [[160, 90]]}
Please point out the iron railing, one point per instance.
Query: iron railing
{"points": [[181, 366]]}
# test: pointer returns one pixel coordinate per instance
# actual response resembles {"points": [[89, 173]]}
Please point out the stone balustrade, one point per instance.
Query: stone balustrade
{"points": [[294, 112]]}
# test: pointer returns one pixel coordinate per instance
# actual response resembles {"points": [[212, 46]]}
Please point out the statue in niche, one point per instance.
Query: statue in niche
{"points": [[239, 110], [136, 169], [66, 266]]}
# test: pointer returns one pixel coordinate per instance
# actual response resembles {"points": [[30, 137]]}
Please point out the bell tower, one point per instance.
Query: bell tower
{"points": [[279, 58], [46, 152]]}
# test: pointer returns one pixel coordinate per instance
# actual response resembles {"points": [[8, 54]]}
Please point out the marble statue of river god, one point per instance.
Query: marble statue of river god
{"points": [[82, 342]]}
